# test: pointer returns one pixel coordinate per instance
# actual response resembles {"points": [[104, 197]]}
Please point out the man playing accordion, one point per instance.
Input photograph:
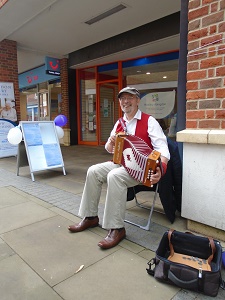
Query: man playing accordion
{"points": [[143, 126]]}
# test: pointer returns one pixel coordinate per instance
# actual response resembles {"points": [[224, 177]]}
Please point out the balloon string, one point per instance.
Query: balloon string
{"points": [[206, 45]]}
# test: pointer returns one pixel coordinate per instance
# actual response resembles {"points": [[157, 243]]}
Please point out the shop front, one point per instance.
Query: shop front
{"points": [[40, 95], [156, 78]]}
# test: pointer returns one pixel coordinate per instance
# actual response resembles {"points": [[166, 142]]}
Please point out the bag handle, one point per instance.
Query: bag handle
{"points": [[191, 284], [211, 241]]}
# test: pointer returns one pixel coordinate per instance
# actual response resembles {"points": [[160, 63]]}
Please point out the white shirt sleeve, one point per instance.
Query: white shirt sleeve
{"points": [[158, 138], [113, 132]]}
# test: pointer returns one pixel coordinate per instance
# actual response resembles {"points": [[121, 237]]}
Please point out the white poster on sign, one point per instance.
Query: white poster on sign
{"points": [[7, 102], [159, 104], [42, 146], [6, 149], [6, 90]]}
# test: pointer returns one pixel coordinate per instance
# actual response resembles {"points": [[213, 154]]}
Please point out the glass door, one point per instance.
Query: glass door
{"points": [[43, 106], [109, 109], [43, 102]]}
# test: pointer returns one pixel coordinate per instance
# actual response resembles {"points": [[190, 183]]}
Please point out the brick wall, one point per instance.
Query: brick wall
{"points": [[64, 89], [9, 68], [205, 69]]}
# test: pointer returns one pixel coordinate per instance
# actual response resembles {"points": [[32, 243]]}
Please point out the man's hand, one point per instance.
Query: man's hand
{"points": [[156, 176], [110, 146]]}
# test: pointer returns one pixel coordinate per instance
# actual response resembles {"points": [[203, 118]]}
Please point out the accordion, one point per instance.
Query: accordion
{"points": [[134, 154]]}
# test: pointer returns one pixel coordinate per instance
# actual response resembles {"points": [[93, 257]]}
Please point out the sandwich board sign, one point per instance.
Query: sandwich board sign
{"points": [[42, 147]]}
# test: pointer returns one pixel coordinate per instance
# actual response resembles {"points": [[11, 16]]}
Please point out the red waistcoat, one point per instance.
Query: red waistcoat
{"points": [[141, 128]]}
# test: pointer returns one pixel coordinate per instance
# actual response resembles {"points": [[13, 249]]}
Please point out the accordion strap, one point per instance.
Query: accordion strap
{"points": [[122, 122]]}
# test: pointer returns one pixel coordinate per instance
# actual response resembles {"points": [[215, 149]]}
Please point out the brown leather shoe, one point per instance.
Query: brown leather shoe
{"points": [[113, 238], [84, 224]]}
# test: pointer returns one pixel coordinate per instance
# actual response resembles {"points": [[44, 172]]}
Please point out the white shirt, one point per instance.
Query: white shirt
{"points": [[155, 132]]}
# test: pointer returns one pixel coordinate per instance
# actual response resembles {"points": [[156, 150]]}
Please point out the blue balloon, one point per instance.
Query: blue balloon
{"points": [[60, 120]]}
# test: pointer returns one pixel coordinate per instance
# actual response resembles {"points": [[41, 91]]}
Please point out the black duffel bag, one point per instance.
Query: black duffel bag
{"points": [[195, 252]]}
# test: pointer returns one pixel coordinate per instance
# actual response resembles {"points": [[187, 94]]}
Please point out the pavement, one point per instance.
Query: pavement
{"points": [[41, 260]]}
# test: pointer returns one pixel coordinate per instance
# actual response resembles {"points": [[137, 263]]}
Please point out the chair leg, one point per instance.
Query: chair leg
{"points": [[147, 227]]}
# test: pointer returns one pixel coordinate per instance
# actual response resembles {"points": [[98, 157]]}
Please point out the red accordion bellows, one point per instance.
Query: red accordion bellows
{"points": [[136, 156]]}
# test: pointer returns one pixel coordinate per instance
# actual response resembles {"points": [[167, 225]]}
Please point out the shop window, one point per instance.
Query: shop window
{"points": [[156, 78], [88, 105]]}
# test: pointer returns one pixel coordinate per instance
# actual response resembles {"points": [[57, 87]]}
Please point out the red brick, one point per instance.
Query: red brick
{"points": [[211, 62], [222, 4], [210, 124], [223, 104], [214, 7], [221, 49], [205, 104], [196, 75], [213, 18], [210, 114], [195, 14], [213, 40], [195, 95], [191, 124], [195, 35], [221, 27], [193, 25], [220, 93], [193, 45], [212, 52], [211, 73], [205, 2], [195, 114], [210, 93], [220, 114], [194, 4], [192, 85], [193, 66], [213, 29], [220, 71], [210, 83], [191, 105]]}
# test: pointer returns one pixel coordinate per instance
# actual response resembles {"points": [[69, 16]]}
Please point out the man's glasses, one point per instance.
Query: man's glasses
{"points": [[129, 98]]}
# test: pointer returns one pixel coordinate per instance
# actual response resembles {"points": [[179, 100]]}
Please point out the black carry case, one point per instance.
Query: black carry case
{"points": [[184, 276]]}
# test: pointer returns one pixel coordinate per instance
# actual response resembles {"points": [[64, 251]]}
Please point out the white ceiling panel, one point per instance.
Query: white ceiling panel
{"points": [[57, 27]]}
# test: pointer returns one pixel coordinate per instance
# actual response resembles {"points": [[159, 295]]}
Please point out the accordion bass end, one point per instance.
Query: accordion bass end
{"points": [[136, 156], [151, 165]]}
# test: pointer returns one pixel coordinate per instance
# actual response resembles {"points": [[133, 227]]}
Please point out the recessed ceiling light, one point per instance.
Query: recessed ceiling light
{"points": [[164, 76], [106, 14], [148, 73]]}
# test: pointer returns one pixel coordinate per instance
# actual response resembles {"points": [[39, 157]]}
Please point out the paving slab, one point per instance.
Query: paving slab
{"points": [[120, 275], [42, 257], [19, 282], [52, 251]]}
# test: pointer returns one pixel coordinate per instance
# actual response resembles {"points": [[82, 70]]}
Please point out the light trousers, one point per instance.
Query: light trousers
{"points": [[118, 180]]}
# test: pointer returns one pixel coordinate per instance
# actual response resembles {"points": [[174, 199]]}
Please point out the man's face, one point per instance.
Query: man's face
{"points": [[129, 103], [7, 106]]}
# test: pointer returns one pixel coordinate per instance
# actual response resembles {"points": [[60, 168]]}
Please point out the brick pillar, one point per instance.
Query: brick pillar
{"points": [[65, 97], [203, 186], [206, 71], [9, 68]]}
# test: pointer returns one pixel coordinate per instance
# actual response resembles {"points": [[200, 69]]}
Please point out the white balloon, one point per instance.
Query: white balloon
{"points": [[14, 136], [60, 132]]}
